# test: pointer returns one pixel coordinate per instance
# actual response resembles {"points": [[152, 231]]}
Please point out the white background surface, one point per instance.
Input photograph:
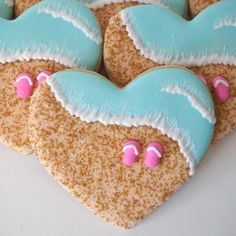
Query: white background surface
{"points": [[33, 204]]}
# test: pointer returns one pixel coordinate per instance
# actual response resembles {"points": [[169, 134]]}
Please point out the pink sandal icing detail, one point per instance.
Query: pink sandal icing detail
{"points": [[130, 151], [153, 154], [221, 87], [42, 76], [25, 85], [203, 79]]}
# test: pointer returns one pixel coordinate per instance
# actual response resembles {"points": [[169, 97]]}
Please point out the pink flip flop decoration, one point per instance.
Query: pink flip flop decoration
{"points": [[203, 79], [44, 75], [131, 150], [25, 85], [221, 88], [153, 155]]}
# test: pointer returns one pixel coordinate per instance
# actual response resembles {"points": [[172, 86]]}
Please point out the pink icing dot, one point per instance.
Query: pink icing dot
{"points": [[131, 150], [153, 155], [44, 75], [24, 85], [221, 88]]}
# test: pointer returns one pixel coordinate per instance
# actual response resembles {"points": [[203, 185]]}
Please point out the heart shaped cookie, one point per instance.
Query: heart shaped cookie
{"points": [[105, 9], [122, 152], [196, 6], [138, 39], [50, 36], [6, 9]]}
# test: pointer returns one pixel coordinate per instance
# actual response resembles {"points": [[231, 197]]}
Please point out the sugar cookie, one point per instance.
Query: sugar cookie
{"points": [[122, 152], [138, 39], [50, 36]]}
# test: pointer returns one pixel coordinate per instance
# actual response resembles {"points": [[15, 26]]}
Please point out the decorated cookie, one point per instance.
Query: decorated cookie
{"points": [[137, 39], [50, 36], [104, 9], [196, 6], [6, 9], [122, 152]]}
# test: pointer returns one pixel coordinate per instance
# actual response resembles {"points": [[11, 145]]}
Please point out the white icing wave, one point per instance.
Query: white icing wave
{"points": [[162, 58], [101, 3], [225, 22], [161, 123], [206, 112], [77, 22], [9, 3], [28, 54]]}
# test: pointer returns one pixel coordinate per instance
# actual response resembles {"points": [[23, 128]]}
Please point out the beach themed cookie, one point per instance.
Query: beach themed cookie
{"points": [[50, 36], [122, 152], [6, 9], [196, 6], [105, 9], [138, 39]]}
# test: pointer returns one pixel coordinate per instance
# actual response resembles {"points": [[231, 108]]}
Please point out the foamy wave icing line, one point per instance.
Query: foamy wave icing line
{"points": [[178, 6], [61, 30], [185, 114], [6, 9], [166, 38]]}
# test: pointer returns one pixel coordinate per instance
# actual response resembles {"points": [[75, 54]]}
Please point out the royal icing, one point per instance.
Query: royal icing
{"points": [[143, 102], [221, 88], [24, 85], [166, 38], [153, 154], [6, 9], [130, 151], [61, 30], [178, 6], [42, 76]]}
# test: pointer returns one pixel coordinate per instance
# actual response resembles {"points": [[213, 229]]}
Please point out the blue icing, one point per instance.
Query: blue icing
{"points": [[208, 38], [85, 94], [178, 6], [6, 9], [45, 32]]}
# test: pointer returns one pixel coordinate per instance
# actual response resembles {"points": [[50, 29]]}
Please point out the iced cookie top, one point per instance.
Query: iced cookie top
{"points": [[171, 100], [166, 38], [6, 9], [61, 30], [178, 6]]}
